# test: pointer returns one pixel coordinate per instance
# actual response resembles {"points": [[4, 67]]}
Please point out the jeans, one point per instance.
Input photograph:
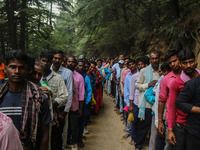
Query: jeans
{"points": [[192, 142], [143, 127], [180, 135], [73, 127], [134, 123]]}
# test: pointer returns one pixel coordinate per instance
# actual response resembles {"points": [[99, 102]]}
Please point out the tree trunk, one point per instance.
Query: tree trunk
{"points": [[23, 26], [2, 45], [10, 8]]}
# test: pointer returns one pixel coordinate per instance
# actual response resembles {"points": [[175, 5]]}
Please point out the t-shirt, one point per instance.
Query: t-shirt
{"points": [[2, 74], [188, 98], [11, 106]]}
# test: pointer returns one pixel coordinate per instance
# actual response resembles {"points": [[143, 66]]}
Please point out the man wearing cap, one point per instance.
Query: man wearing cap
{"points": [[118, 67]]}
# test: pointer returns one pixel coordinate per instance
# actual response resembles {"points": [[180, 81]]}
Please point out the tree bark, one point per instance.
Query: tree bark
{"points": [[10, 8], [2, 45], [23, 26]]}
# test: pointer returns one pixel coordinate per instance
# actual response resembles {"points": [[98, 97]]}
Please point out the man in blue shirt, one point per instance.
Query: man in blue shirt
{"points": [[88, 96], [133, 67], [118, 67]]}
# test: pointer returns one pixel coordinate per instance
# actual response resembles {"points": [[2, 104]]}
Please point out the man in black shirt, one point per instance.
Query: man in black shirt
{"points": [[189, 102]]}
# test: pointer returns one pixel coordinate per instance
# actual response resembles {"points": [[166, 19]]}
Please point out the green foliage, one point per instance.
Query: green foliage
{"points": [[100, 27]]}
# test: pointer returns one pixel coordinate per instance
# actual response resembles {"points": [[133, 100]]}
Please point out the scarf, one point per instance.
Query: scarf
{"points": [[32, 98], [148, 79], [102, 70]]}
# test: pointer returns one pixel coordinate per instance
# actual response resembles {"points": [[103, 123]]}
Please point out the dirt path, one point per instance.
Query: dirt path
{"points": [[106, 130]]}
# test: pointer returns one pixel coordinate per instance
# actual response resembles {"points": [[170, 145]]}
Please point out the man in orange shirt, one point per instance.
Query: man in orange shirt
{"points": [[2, 74]]}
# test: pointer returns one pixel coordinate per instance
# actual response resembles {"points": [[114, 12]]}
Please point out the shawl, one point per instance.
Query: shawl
{"points": [[148, 79]]}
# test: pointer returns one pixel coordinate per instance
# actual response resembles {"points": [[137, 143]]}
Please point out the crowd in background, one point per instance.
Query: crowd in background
{"points": [[50, 100], [157, 101]]}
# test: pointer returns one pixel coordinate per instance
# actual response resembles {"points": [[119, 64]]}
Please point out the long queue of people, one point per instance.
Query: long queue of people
{"points": [[50, 100], [163, 99]]}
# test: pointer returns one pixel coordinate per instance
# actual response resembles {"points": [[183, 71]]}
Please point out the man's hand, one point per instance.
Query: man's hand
{"points": [[62, 115], [46, 91], [130, 108], [171, 137], [152, 83], [161, 128]]}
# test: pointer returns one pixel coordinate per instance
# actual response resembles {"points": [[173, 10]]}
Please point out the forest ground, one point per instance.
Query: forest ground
{"points": [[106, 130]]}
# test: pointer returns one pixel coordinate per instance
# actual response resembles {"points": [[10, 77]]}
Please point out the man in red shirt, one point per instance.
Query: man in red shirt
{"points": [[172, 58], [176, 118]]}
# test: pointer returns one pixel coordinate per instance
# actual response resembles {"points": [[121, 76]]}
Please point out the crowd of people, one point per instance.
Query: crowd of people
{"points": [[163, 99], [49, 101]]}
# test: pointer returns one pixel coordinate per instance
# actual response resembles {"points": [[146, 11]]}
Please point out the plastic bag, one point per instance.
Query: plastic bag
{"points": [[130, 117], [93, 100]]}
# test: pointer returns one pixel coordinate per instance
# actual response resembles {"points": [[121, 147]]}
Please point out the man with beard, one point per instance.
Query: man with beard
{"points": [[25, 103], [58, 98], [68, 78], [88, 96], [172, 58], [176, 118], [188, 101], [76, 109], [147, 78]]}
